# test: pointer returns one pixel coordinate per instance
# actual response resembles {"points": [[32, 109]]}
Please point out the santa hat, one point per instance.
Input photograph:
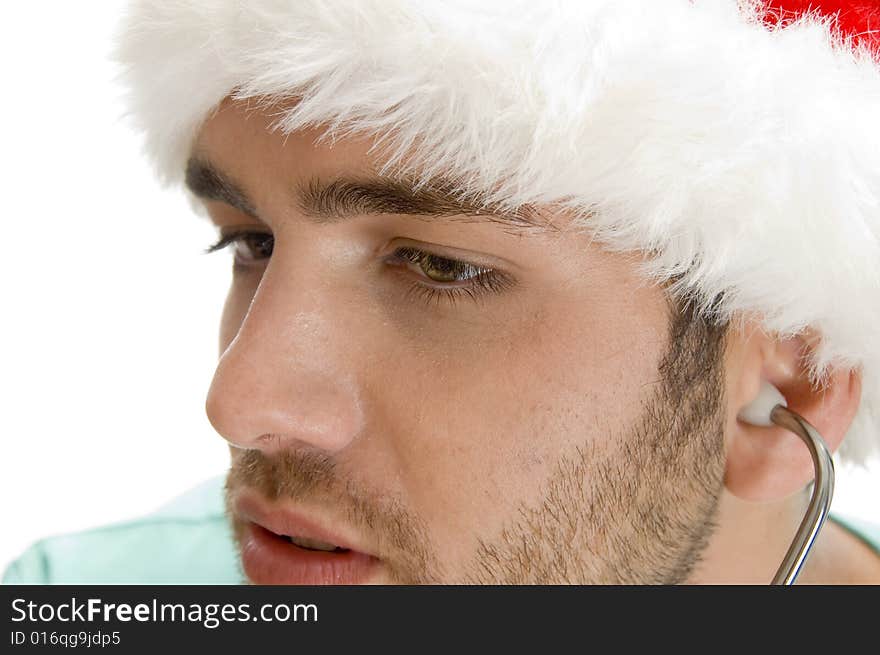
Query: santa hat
{"points": [[735, 143]]}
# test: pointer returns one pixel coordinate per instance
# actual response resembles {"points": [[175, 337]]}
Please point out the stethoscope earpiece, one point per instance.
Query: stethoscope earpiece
{"points": [[769, 408], [758, 411]]}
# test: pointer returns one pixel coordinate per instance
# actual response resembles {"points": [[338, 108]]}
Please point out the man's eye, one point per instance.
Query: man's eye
{"points": [[438, 277], [439, 269], [452, 279], [249, 246]]}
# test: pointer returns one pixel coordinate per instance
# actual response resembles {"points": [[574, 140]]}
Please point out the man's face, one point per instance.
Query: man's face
{"points": [[451, 398]]}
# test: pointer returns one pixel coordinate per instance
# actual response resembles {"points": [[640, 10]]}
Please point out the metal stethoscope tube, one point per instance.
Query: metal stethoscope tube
{"points": [[820, 501]]}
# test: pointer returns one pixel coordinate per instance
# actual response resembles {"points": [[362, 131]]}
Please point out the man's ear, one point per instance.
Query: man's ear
{"points": [[769, 463]]}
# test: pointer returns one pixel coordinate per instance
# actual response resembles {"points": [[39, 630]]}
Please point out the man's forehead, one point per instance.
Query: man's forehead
{"points": [[245, 134], [331, 178]]}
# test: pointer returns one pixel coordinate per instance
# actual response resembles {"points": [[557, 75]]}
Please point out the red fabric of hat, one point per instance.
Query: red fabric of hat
{"points": [[859, 20]]}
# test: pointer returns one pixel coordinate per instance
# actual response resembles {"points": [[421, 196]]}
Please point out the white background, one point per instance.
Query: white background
{"points": [[110, 311]]}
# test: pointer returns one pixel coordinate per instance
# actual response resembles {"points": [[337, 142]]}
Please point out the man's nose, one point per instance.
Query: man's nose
{"points": [[286, 380]]}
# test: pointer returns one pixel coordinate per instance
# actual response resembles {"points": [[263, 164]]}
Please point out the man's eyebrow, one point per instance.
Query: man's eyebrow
{"points": [[333, 200], [208, 183], [336, 199]]}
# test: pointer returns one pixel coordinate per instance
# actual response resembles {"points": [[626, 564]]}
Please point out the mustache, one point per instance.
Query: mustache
{"points": [[300, 475], [290, 475]]}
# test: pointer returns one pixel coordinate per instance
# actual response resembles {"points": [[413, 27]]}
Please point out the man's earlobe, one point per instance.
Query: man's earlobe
{"points": [[768, 462]]}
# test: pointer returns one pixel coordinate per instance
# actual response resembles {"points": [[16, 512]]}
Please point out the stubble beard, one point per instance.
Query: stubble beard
{"points": [[640, 511]]}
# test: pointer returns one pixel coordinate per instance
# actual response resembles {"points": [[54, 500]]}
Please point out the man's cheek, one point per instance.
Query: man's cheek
{"points": [[484, 463]]}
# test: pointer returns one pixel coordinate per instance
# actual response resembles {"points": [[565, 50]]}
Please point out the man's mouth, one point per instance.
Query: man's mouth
{"points": [[279, 546], [314, 544]]}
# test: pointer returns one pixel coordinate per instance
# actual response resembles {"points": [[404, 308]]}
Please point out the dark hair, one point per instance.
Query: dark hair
{"points": [[697, 338]]}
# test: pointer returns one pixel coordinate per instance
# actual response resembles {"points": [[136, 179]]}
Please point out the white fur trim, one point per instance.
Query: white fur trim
{"points": [[743, 159]]}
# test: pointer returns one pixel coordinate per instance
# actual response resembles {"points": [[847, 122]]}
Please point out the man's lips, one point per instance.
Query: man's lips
{"points": [[269, 557]]}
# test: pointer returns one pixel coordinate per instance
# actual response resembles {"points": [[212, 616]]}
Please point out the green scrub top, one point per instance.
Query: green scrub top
{"points": [[188, 541]]}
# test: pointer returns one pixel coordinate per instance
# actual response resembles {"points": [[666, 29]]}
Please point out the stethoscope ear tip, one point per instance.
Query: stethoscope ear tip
{"points": [[758, 411]]}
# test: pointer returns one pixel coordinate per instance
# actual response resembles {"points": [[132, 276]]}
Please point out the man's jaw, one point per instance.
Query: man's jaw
{"points": [[285, 546]]}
